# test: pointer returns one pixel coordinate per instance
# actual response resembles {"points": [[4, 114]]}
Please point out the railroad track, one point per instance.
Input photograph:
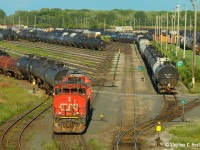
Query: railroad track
{"points": [[70, 142], [128, 103], [170, 112], [97, 78], [69, 55], [17, 128], [91, 72], [130, 137], [53, 47]]}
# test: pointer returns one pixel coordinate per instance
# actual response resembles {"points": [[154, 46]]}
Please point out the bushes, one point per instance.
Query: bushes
{"points": [[185, 74], [197, 74]]}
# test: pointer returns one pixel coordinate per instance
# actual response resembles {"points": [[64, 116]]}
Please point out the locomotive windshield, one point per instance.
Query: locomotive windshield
{"points": [[57, 91], [73, 90]]}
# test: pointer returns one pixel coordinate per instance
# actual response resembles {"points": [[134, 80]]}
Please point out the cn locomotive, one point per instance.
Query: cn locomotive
{"points": [[164, 72], [72, 99], [71, 89]]}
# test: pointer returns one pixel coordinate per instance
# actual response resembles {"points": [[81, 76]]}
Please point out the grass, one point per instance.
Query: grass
{"points": [[188, 55], [106, 38], [186, 133], [14, 99], [50, 145], [96, 145]]}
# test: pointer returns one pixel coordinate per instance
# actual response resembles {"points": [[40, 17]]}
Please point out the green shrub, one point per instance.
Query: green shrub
{"points": [[96, 145]]}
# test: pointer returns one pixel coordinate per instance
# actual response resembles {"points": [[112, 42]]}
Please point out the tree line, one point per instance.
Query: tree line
{"points": [[85, 18]]}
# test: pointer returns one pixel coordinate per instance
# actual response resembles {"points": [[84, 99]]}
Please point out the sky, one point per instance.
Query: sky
{"points": [[10, 6]]}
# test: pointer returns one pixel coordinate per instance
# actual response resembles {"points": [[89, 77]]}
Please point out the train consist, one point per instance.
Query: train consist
{"points": [[130, 37], [165, 74], [172, 39], [71, 89], [123, 37], [80, 39], [8, 34], [189, 43]]}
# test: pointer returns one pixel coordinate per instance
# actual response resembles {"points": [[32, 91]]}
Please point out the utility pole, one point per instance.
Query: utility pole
{"points": [[161, 31], [139, 23], [13, 21], [104, 24], [34, 22], [134, 23], [76, 23], [122, 20], [81, 23], [19, 23], [27, 21], [172, 36], [194, 44], [190, 25], [155, 35], [4, 21], [185, 31], [167, 33], [49, 22], [157, 29], [174, 29], [177, 41], [97, 22], [63, 22]]}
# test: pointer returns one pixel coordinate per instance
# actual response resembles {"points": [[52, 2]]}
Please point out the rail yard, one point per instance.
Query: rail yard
{"points": [[99, 89]]}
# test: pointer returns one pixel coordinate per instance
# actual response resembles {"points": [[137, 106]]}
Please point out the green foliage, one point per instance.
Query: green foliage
{"points": [[140, 15], [185, 74], [186, 133], [185, 71], [96, 145], [106, 38], [50, 145], [85, 18], [17, 101], [2, 16]]}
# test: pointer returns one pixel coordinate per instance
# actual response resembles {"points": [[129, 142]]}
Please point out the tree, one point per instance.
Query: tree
{"points": [[140, 14], [2, 16]]}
